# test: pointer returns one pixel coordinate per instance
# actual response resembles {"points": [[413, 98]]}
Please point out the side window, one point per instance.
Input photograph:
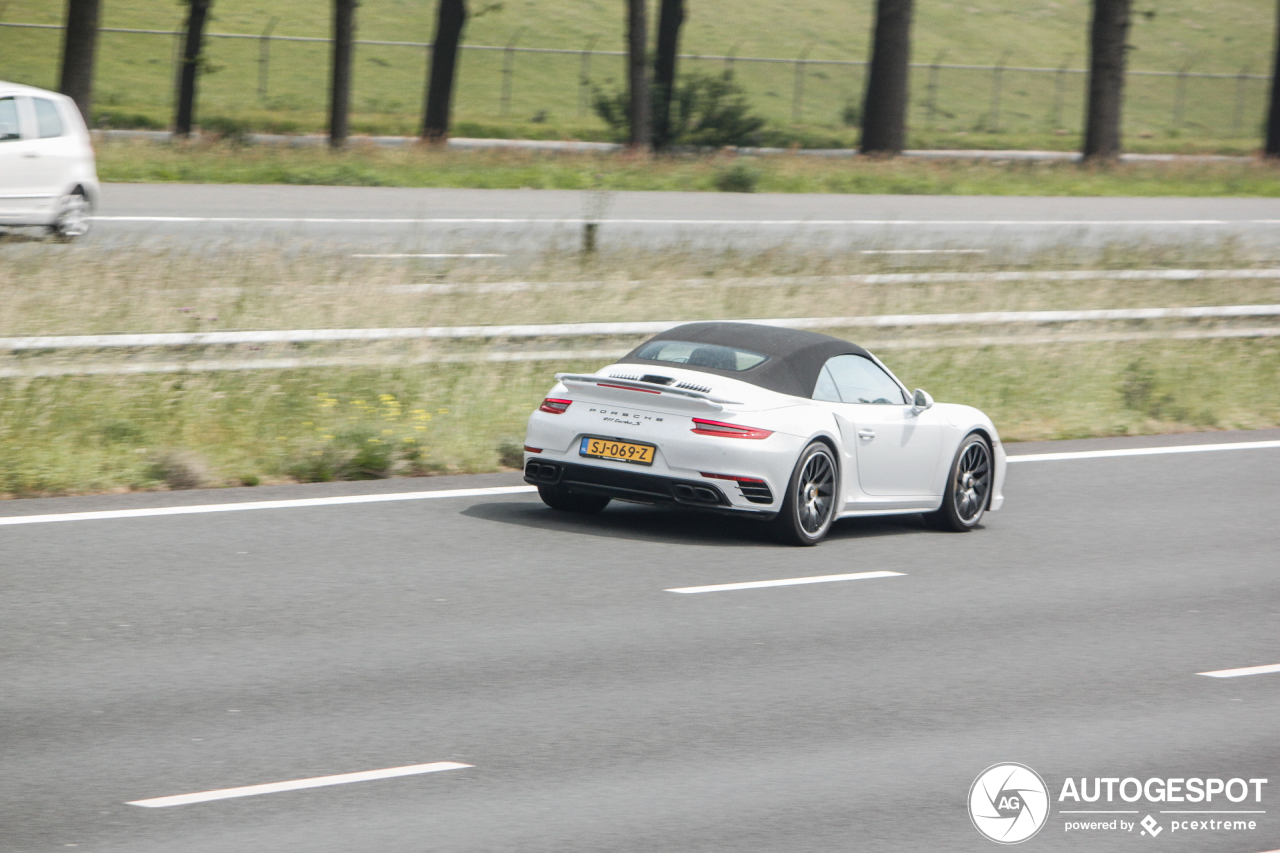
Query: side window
{"points": [[860, 380], [48, 122], [825, 389], [9, 119]]}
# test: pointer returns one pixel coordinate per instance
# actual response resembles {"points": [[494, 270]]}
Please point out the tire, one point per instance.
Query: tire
{"points": [[565, 501], [968, 490], [73, 218], [809, 507]]}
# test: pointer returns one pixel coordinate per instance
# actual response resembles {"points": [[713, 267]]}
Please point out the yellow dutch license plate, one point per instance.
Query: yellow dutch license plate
{"points": [[621, 451]]}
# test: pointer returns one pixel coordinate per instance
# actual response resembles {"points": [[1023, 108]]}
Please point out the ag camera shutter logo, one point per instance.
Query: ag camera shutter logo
{"points": [[1008, 803]]}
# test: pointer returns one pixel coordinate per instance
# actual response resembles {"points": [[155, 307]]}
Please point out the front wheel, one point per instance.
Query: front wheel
{"points": [[73, 218], [968, 488], [566, 501], [810, 503]]}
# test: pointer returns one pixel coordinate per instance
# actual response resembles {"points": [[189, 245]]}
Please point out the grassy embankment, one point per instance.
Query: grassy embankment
{"points": [[134, 81], [68, 434], [417, 167]]}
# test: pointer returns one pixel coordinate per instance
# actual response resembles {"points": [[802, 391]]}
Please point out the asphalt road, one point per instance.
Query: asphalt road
{"points": [[385, 219], [155, 656]]}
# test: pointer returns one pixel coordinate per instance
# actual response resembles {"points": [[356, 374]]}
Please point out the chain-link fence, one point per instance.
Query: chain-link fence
{"points": [[246, 74]]}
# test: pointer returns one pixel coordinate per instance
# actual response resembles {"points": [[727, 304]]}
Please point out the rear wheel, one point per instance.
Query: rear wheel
{"points": [[968, 488], [566, 501], [73, 218], [810, 503]]}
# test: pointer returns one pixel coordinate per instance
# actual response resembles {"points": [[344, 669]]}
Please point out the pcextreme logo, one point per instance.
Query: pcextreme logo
{"points": [[1008, 803]]}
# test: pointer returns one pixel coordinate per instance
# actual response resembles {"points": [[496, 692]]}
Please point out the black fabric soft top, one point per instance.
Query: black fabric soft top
{"points": [[795, 358]]}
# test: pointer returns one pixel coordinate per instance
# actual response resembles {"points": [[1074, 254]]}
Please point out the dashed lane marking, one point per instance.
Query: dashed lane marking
{"points": [[726, 587], [298, 784], [1246, 670]]}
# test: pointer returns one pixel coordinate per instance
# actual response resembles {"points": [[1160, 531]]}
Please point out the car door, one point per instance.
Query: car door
{"points": [[896, 448], [15, 188], [55, 151]]}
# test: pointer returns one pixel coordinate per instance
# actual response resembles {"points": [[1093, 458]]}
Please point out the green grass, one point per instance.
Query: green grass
{"points": [[416, 167], [1226, 36], [75, 434], [86, 434]]}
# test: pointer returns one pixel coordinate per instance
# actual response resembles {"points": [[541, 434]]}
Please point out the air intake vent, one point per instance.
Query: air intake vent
{"points": [[624, 376], [756, 491], [689, 386]]}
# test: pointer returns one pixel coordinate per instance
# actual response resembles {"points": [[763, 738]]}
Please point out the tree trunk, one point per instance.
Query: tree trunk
{"points": [[344, 25], [1273, 114], [79, 41], [884, 112], [1107, 36], [191, 50], [637, 75], [670, 19], [451, 16]]}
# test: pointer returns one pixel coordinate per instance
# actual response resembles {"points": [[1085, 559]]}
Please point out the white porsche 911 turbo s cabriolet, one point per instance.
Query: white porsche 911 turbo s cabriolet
{"points": [[796, 428]]}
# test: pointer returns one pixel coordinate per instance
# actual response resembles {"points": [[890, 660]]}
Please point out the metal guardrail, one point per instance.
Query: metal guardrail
{"points": [[571, 330]]}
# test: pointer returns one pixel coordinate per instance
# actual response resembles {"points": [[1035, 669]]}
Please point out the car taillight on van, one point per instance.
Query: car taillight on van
{"points": [[553, 406]]}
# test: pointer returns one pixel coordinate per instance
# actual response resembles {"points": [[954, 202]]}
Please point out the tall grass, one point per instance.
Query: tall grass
{"points": [[68, 434], [369, 165]]}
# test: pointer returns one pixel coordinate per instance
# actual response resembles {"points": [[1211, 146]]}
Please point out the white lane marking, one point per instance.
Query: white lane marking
{"points": [[515, 490], [298, 503], [725, 587], [430, 255], [276, 336], [298, 784], [1247, 670], [924, 251], [1047, 223], [1143, 451]]}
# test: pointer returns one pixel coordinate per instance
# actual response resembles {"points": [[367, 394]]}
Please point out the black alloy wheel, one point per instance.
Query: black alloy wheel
{"points": [[968, 487], [810, 503]]}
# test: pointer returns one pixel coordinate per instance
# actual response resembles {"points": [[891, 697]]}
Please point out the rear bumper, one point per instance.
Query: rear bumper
{"points": [[629, 485]]}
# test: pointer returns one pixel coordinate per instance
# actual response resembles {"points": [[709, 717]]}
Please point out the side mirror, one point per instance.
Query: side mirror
{"points": [[921, 401]]}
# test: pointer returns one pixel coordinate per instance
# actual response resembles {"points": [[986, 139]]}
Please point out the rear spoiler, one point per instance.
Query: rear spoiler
{"points": [[571, 379]]}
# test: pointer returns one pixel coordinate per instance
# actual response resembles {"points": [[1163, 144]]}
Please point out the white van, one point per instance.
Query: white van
{"points": [[47, 171]]}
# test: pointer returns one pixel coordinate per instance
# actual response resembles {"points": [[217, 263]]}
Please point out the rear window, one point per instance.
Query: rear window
{"points": [[713, 356], [47, 119]]}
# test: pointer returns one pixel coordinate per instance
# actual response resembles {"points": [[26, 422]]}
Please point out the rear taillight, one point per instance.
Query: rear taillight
{"points": [[732, 477], [553, 406], [705, 427]]}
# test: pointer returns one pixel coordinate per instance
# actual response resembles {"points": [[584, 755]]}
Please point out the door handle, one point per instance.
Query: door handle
{"points": [[867, 434], [30, 154]]}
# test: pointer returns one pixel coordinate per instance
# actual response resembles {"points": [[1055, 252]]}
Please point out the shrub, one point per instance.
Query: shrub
{"points": [[738, 178], [511, 455], [707, 110], [178, 469]]}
